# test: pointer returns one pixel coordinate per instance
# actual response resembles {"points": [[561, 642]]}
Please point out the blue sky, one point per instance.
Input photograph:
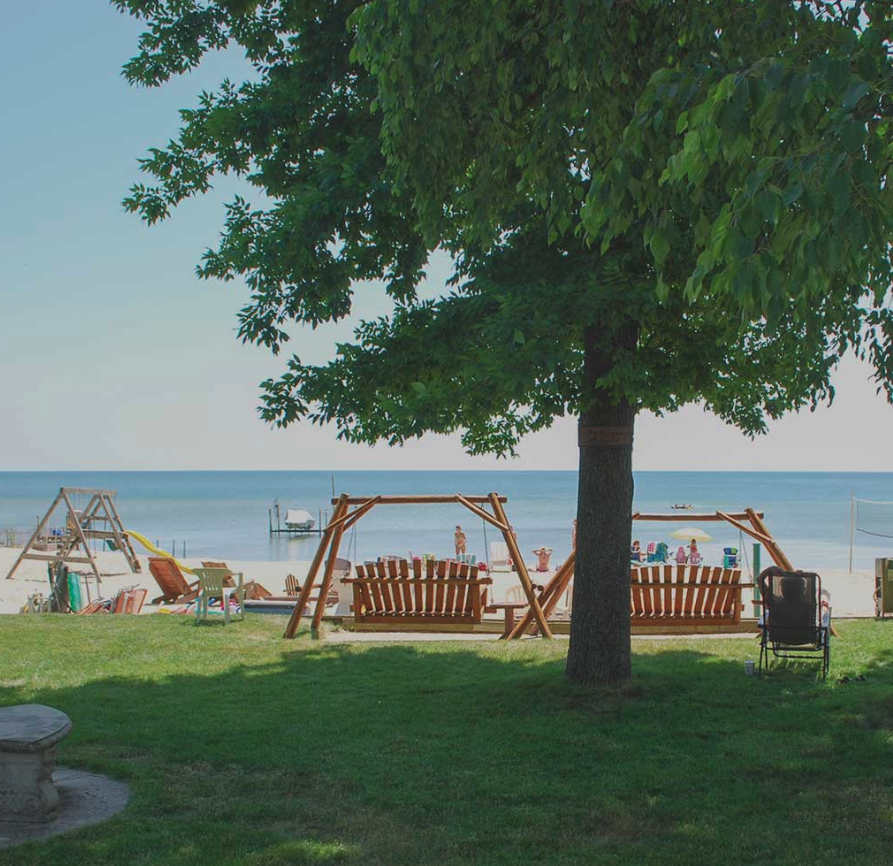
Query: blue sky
{"points": [[114, 356]]}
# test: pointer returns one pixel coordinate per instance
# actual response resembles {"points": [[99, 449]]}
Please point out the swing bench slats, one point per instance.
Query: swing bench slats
{"points": [[443, 592], [685, 594]]}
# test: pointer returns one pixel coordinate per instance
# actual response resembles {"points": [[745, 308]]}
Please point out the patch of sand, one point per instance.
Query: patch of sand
{"points": [[851, 594]]}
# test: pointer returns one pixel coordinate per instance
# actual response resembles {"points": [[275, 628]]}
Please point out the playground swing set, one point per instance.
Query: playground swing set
{"points": [[92, 516], [661, 595]]}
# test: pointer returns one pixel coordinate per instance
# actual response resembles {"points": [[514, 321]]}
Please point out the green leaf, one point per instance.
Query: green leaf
{"points": [[741, 246], [854, 94], [791, 194], [839, 188], [767, 204], [852, 134], [660, 246]]}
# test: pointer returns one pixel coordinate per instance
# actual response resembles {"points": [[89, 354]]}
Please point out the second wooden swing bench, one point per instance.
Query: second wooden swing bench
{"points": [[675, 597]]}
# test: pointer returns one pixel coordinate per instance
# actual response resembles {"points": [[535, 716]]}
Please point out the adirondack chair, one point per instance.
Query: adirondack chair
{"points": [[293, 587], [171, 582], [685, 595], [432, 593]]}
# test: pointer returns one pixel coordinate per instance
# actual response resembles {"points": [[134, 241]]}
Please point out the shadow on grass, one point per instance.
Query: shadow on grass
{"points": [[459, 753]]}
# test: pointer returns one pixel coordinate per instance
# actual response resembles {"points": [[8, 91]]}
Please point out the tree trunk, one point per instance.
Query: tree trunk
{"points": [[599, 652]]}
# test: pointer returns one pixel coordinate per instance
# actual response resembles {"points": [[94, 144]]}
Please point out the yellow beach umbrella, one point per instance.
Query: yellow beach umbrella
{"points": [[687, 533]]}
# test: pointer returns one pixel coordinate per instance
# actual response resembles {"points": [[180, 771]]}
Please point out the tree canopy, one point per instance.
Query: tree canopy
{"points": [[715, 172]]}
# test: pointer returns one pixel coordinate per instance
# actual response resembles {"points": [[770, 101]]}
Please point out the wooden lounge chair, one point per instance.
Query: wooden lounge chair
{"points": [[685, 595], [170, 580], [436, 593], [254, 591]]}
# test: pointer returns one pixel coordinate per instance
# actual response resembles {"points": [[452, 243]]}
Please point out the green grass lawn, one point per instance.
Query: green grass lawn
{"points": [[241, 748]]}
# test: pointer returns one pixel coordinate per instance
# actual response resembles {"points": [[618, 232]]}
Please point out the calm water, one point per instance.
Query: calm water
{"points": [[225, 514]]}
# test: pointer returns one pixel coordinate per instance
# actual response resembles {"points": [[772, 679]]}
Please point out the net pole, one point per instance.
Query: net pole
{"points": [[852, 527]]}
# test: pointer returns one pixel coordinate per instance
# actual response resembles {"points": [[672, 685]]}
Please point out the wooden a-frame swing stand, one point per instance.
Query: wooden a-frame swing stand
{"points": [[82, 525], [749, 522], [343, 519]]}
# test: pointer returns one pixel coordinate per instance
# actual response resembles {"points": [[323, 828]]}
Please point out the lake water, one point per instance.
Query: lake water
{"points": [[225, 514]]}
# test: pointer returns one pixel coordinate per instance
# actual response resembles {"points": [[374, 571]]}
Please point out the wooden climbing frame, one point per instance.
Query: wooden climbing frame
{"points": [[82, 525]]}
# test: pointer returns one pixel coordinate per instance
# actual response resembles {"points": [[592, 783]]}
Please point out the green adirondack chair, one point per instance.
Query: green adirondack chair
{"points": [[211, 585]]}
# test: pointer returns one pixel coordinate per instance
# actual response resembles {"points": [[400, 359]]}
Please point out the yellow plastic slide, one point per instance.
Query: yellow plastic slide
{"points": [[136, 536]]}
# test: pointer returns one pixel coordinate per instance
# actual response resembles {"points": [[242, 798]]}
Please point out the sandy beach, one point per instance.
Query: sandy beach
{"points": [[31, 576], [851, 594]]}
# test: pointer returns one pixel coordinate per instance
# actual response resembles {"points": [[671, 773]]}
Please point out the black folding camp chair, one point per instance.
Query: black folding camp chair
{"points": [[796, 621]]}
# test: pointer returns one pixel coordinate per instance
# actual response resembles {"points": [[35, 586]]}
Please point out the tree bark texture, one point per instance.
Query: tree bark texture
{"points": [[599, 652]]}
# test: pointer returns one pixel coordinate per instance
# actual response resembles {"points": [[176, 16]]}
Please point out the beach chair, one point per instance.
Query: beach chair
{"points": [[128, 601], [499, 556], [796, 620], [171, 582], [212, 585], [432, 596], [254, 591], [292, 587]]}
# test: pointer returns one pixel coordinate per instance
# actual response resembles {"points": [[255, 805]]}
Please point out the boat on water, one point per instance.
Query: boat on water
{"points": [[682, 507], [299, 520]]}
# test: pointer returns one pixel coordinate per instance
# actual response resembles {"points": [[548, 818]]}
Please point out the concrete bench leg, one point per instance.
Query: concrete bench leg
{"points": [[27, 792]]}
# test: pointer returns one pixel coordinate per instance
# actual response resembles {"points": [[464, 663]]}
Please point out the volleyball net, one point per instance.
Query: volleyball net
{"points": [[870, 518]]}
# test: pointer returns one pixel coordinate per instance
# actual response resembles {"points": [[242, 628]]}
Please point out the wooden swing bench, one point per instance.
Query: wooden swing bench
{"points": [[437, 593], [685, 595]]}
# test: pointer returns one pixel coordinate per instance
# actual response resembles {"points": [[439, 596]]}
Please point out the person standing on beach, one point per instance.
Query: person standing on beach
{"points": [[461, 541]]}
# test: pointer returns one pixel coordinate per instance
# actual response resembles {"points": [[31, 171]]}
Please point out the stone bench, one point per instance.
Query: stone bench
{"points": [[28, 737]]}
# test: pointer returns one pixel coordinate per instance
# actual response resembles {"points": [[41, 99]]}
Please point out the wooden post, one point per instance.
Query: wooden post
{"points": [[72, 539], [778, 556], [549, 599], [35, 535], [122, 540], [479, 512], [326, 580], [757, 594], [295, 620], [521, 567], [76, 521], [350, 519]]}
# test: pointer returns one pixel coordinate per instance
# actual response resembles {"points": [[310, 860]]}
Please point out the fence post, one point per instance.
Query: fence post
{"points": [[756, 574]]}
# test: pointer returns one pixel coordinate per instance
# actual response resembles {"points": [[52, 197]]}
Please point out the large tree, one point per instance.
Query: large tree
{"points": [[647, 203]]}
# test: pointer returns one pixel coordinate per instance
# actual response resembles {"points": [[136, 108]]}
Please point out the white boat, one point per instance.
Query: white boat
{"points": [[299, 519]]}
